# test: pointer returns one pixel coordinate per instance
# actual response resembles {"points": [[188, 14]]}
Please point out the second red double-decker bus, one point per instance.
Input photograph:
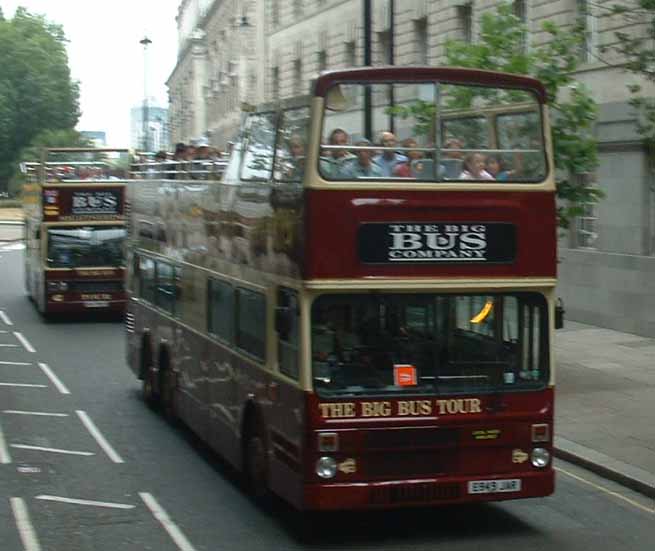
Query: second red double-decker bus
{"points": [[74, 204], [359, 315]]}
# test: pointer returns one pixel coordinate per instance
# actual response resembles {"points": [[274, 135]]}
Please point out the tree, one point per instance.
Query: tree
{"points": [[637, 50], [36, 90], [501, 47]]}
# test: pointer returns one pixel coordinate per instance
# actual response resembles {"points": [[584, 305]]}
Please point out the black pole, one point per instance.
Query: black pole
{"points": [[368, 116], [392, 100]]}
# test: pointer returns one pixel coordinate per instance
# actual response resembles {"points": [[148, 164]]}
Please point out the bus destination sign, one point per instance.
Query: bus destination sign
{"points": [[430, 242], [101, 201]]}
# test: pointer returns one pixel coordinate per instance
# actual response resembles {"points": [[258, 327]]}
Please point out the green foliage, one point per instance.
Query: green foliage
{"points": [[36, 90], [501, 46], [637, 49]]}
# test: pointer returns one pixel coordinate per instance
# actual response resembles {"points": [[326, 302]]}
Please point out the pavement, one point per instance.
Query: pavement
{"points": [[605, 396]]}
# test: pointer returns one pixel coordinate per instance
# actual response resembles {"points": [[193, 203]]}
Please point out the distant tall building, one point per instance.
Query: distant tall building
{"points": [[97, 137], [158, 136]]}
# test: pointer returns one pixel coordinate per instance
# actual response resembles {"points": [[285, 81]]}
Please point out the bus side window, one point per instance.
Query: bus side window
{"points": [[259, 147], [287, 327], [147, 280], [220, 310], [251, 322], [291, 145]]}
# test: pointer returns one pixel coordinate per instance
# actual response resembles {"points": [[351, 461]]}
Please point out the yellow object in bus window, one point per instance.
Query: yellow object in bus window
{"points": [[484, 313]]}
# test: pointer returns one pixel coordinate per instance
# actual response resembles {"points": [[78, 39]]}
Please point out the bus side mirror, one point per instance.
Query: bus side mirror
{"points": [[559, 314], [283, 321]]}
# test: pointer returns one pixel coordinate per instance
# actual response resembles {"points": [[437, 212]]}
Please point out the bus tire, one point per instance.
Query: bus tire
{"points": [[148, 390], [255, 459], [166, 388]]}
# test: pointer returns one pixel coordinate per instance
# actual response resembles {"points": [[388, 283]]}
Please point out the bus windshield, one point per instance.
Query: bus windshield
{"points": [[432, 132], [374, 344], [85, 246]]}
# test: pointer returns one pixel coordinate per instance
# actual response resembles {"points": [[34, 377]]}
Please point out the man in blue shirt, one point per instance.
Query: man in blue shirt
{"points": [[388, 159], [363, 166]]}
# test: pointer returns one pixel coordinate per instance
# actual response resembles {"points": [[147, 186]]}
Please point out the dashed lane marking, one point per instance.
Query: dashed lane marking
{"points": [[608, 491], [5, 458], [26, 344], [9, 345], [43, 413], [15, 363], [61, 387], [99, 438], [25, 385], [160, 514], [24, 525], [52, 450], [4, 317], [85, 502]]}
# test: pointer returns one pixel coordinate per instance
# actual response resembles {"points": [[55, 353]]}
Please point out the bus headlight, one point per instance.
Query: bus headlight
{"points": [[540, 457], [326, 467], [57, 286]]}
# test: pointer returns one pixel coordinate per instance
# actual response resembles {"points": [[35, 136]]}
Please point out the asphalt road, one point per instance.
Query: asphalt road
{"points": [[85, 465]]}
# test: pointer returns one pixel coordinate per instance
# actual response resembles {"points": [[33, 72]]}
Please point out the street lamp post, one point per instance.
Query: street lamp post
{"points": [[145, 41]]}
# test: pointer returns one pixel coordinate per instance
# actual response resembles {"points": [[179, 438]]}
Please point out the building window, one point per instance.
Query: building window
{"points": [[297, 77], [465, 22], [520, 9], [275, 12], [422, 46], [322, 61], [275, 83], [350, 57], [384, 51], [587, 21], [586, 224]]}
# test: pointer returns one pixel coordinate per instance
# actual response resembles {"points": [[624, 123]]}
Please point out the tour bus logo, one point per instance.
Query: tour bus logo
{"points": [[434, 242], [95, 202], [437, 241]]}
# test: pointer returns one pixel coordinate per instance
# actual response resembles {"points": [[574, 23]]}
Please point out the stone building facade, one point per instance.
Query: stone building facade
{"points": [[607, 259]]}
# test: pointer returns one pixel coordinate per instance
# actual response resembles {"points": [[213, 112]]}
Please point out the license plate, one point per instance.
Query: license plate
{"points": [[494, 486], [96, 304]]}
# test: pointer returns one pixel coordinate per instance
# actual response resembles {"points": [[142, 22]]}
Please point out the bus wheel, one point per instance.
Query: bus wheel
{"points": [[167, 392], [256, 461], [148, 391]]}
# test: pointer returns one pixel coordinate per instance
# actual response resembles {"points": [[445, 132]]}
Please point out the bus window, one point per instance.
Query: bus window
{"points": [[220, 310], [147, 279], [441, 132], [292, 145], [251, 322], [260, 141], [166, 287], [289, 338]]}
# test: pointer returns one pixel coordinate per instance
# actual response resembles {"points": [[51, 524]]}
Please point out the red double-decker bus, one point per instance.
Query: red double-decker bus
{"points": [[74, 205], [360, 313]]}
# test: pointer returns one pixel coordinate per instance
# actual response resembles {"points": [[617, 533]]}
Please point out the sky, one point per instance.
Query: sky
{"points": [[106, 58]]}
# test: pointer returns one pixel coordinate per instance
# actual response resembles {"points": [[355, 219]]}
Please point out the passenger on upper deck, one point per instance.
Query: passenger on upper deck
{"points": [[363, 166], [474, 168], [404, 170], [388, 159], [332, 162]]}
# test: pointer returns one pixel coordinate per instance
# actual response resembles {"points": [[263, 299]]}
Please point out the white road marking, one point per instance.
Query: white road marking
{"points": [[15, 363], [55, 380], [24, 525], [607, 491], [85, 502], [99, 438], [27, 385], [19, 412], [5, 458], [3, 332], [4, 317], [9, 345], [173, 531], [53, 450], [26, 344]]}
